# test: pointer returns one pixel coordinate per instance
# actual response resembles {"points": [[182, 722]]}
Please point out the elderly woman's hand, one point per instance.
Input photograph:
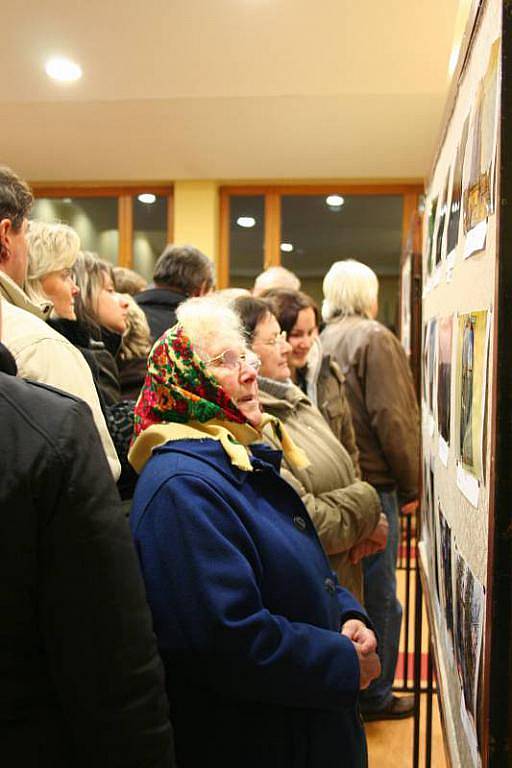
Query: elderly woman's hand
{"points": [[365, 644], [360, 635]]}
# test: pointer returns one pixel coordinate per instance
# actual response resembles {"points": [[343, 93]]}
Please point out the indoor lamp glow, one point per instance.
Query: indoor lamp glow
{"points": [[334, 201], [147, 197], [246, 221], [63, 70]]}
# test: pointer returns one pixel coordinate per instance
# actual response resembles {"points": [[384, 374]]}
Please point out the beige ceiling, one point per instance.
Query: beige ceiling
{"points": [[225, 89]]}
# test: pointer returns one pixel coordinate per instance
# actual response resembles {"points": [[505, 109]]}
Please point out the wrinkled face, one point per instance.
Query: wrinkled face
{"points": [[14, 247], [61, 289], [301, 337], [272, 349], [111, 307], [237, 378]]}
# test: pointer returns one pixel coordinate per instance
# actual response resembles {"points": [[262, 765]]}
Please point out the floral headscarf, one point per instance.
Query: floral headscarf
{"points": [[178, 387]]}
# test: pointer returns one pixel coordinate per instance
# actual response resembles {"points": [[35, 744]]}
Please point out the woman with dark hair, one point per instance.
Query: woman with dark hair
{"points": [[264, 653], [314, 372], [345, 511]]}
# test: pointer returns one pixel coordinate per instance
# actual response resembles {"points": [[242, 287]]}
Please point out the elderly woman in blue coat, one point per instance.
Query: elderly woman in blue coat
{"points": [[264, 652]]}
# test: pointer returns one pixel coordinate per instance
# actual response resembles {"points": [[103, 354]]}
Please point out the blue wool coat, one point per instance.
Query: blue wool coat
{"points": [[247, 614]]}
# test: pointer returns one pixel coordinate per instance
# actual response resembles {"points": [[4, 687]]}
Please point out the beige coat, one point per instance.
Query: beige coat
{"points": [[344, 510], [44, 355], [381, 395]]}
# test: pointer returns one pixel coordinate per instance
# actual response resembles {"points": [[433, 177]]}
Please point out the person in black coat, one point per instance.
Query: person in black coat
{"points": [[81, 682], [182, 271]]}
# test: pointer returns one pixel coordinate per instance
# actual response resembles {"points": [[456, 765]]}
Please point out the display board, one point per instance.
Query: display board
{"points": [[465, 547]]}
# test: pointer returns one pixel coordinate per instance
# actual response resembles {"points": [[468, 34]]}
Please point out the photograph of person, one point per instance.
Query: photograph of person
{"points": [[456, 196], [444, 376], [471, 378]]}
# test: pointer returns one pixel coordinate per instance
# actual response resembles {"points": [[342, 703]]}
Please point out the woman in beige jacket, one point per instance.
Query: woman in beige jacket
{"points": [[346, 511]]}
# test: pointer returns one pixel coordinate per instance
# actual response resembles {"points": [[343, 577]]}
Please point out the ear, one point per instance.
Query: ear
{"points": [[5, 238]]}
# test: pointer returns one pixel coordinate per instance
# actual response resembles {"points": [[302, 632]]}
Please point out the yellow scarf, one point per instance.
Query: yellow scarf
{"points": [[234, 438]]}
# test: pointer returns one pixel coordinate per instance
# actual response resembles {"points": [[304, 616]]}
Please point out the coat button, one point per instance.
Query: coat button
{"points": [[330, 586], [299, 523]]}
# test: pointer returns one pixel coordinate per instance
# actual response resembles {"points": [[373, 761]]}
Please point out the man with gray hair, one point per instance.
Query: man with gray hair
{"points": [[275, 277], [385, 414], [181, 272]]}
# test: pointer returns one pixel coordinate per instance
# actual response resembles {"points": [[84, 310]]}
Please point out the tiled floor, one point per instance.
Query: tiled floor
{"points": [[390, 743]]}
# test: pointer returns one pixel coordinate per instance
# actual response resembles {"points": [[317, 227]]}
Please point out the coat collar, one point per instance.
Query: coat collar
{"points": [[16, 296], [164, 296], [211, 453]]}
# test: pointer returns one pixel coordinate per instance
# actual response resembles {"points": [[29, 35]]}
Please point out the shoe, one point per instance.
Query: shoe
{"points": [[398, 708]]}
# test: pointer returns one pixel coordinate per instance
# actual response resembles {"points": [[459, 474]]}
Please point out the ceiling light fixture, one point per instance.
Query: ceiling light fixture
{"points": [[335, 201], [246, 221], [286, 247], [147, 197], [63, 70]]}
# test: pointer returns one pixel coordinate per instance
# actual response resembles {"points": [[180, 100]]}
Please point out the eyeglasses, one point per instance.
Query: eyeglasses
{"points": [[232, 360], [278, 340]]}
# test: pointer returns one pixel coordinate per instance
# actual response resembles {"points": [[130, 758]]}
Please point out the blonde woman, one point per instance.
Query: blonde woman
{"points": [[53, 250]]}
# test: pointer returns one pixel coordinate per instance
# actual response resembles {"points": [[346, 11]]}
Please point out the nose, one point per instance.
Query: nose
{"points": [[247, 373], [122, 301], [286, 347], [75, 290]]}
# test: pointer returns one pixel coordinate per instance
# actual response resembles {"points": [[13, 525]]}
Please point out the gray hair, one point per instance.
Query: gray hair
{"points": [[184, 268], [350, 288], [207, 320], [51, 247], [275, 277]]}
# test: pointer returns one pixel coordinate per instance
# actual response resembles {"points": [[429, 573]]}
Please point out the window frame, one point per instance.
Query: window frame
{"points": [[124, 194], [409, 191]]}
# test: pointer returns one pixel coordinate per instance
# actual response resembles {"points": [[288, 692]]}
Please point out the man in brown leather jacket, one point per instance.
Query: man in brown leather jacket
{"points": [[381, 395]]}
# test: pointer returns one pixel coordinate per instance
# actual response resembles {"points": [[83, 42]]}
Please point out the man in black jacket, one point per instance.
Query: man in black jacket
{"points": [[181, 272], [81, 682]]}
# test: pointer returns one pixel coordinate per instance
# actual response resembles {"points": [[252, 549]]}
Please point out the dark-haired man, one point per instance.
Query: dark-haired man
{"points": [[181, 272]]}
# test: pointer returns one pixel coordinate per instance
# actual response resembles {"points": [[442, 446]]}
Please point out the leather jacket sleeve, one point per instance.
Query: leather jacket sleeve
{"points": [[96, 624]]}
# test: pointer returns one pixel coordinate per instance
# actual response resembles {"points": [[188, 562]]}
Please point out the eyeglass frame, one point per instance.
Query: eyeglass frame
{"points": [[241, 358], [278, 340]]}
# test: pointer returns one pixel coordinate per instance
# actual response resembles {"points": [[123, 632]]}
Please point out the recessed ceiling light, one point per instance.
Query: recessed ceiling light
{"points": [[147, 197], [335, 201], [246, 221], [63, 70], [286, 247]]}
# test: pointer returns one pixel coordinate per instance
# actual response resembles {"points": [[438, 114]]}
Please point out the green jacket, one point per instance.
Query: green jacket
{"points": [[344, 510]]}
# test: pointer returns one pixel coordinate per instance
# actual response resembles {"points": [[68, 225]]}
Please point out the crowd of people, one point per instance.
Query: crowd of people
{"points": [[200, 493]]}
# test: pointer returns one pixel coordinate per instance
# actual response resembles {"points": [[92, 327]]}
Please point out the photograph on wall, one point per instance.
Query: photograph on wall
{"points": [[442, 209], [429, 363], [405, 307], [470, 390], [444, 376], [456, 196], [431, 223], [445, 579], [478, 202], [467, 634]]}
